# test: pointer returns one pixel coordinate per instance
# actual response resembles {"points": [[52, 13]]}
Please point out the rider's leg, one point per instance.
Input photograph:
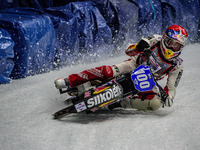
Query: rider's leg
{"points": [[146, 104]]}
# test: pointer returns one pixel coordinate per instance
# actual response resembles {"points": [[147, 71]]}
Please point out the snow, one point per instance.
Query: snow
{"points": [[27, 105]]}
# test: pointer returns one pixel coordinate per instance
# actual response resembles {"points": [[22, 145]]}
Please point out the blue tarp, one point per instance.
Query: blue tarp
{"points": [[8, 4], [149, 20], [153, 14], [182, 12], [121, 17], [6, 55], [131, 19], [149, 17], [81, 33], [33, 34], [87, 30], [37, 4]]}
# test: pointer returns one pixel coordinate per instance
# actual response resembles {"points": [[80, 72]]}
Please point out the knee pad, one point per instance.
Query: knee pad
{"points": [[146, 104], [155, 103]]}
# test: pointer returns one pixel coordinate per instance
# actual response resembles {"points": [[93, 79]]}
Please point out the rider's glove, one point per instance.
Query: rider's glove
{"points": [[168, 101], [142, 45]]}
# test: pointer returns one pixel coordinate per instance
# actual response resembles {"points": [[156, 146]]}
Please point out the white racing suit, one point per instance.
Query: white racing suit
{"points": [[159, 65]]}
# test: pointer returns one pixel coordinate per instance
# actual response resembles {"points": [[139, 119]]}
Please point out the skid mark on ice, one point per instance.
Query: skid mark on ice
{"points": [[107, 116]]}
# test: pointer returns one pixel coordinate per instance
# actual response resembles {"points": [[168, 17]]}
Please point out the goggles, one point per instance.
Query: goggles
{"points": [[173, 45]]}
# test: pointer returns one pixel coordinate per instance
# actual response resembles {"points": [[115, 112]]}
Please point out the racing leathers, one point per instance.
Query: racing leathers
{"points": [[160, 67]]}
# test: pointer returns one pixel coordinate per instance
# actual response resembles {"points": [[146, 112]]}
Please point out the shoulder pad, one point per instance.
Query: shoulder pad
{"points": [[151, 40], [131, 50], [157, 37]]}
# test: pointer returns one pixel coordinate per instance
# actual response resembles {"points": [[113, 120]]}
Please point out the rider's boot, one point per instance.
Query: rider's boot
{"points": [[61, 83]]}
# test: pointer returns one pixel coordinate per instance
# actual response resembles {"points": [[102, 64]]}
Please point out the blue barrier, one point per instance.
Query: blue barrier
{"points": [[149, 19], [6, 55], [182, 12], [76, 31], [34, 36], [121, 17], [37, 4], [9, 4], [132, 19], [82, 34]]}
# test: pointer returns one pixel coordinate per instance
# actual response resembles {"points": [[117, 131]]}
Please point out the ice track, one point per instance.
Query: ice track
{"points": [[26, 123]]}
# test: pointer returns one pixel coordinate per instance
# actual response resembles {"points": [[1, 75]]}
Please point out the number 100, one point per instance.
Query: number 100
{"points": [[144, 83]]}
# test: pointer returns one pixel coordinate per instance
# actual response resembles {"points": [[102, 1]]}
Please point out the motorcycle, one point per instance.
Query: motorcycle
{"points": [[93, 98]]}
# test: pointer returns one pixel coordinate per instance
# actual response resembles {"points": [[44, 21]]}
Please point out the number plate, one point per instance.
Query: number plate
{"points": [[143, 79]]}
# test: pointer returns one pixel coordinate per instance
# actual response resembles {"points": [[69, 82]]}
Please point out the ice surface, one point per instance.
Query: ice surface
{"points": [[26, 123]]}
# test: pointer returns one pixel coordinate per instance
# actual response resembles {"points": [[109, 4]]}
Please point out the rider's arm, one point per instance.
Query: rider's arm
{"points": [[124, 67], [133, 51], [143, 44], [173, 80]]}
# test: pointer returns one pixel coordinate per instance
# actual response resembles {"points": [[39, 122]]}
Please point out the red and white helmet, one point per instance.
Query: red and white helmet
{"points": [[173, 41]]}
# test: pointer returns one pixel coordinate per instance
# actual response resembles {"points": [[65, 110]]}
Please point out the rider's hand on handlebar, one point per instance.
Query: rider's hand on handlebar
{"points": [[168, 101]]}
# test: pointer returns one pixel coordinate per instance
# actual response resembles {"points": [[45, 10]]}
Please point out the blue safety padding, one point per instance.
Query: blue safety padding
{"points": [[70, 31], [5, 4], [34, 37], [181, 12], [82, 33], [37, 4], [121, 17], [150, 16], [149, 20], [6, 55]]}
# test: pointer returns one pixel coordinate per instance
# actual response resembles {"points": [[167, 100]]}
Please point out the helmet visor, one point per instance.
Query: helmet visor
{"points": [[173, 45]]}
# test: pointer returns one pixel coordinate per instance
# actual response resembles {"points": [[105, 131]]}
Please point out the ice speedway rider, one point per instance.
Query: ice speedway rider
{"points": [[164, 61]]}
